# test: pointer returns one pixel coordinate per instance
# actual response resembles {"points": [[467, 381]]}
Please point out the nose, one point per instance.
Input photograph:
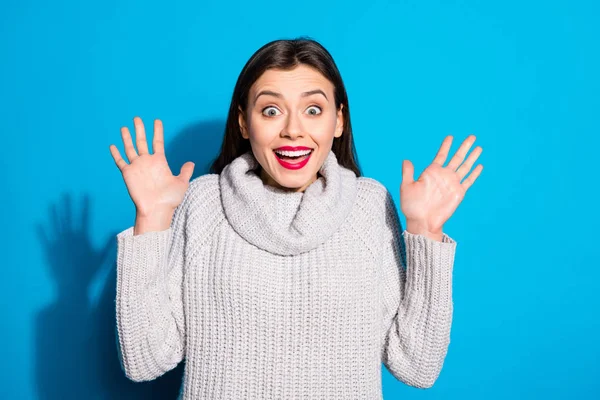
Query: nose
{"points": [[293, 128]]}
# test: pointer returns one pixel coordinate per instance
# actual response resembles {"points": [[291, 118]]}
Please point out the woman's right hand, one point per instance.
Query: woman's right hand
{"points": [[155, 191]]}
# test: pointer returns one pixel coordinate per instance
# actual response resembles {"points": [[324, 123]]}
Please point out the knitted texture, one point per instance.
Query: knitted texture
{"points": [[272, 294]]}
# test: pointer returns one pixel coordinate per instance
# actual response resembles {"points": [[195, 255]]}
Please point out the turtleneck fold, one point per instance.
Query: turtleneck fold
{"points": [[286, 222]]}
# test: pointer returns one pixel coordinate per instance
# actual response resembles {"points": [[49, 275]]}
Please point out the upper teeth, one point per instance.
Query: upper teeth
{"points": [[293, 153]]}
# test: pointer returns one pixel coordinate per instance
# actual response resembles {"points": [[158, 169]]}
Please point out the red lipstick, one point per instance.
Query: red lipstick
{"points": [[293, 148], [293, 164]]}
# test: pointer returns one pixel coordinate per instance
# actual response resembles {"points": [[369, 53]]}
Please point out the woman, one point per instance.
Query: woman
{"points": [[283, 273]]}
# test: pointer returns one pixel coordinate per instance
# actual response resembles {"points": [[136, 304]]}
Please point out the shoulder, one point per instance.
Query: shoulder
{"points": [[202, 203], [370, 185], [201, 190], [205, 186], [374, 193], [376, 199], [204, 192]]}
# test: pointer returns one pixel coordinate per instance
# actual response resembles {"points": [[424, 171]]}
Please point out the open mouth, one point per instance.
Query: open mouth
{"points": [[293, 160], [293, 156]]}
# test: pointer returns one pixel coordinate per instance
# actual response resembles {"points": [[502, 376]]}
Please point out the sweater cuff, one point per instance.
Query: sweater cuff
{"points": [[413, 236], [429, 266], [140, 259]]}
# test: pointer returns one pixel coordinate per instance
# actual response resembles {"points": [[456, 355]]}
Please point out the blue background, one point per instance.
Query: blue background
{"points": [[521, 76]]}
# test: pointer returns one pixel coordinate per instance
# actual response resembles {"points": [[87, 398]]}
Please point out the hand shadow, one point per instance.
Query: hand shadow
{"points": [[75, 340]]}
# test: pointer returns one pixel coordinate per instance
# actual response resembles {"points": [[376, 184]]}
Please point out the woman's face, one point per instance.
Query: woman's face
{"points": [[291, 108]]}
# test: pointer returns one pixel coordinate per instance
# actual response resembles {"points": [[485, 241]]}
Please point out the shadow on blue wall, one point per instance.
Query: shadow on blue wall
{"points": [[75, 341]]}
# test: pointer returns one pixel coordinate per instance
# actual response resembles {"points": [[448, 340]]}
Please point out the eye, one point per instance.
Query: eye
{"points": [[316, 107], [270, 115]]}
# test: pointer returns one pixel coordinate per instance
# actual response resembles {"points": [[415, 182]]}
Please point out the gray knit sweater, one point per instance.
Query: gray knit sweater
{"points": [[271, 294]]}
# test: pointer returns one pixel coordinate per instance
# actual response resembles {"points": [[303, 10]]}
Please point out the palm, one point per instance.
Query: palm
{"points": [[432, 199], [150, 182]]}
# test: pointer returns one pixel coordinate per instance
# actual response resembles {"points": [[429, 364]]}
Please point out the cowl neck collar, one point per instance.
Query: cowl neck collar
{"points": [[286, 222]]}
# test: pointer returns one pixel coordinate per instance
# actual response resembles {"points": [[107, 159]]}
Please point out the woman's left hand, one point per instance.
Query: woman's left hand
{"points": [[430, 201]]}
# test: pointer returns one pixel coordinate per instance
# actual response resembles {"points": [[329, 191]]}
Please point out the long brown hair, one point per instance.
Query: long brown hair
{"points": [[286, 55]]}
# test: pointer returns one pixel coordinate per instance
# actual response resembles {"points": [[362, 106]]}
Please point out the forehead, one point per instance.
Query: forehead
{"points": [[299, 79]]}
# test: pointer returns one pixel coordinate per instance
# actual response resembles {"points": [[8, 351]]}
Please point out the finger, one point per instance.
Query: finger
{"points": [[440, 157], [472, 176], [186, 172], [407, 172], [117, 157], [128, 143], [461, 152], [140, 136], [158, 142], [466, 166]]}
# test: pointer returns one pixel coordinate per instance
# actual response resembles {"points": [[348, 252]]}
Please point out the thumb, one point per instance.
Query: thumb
{"points": [[186, 171], [407, 172]]}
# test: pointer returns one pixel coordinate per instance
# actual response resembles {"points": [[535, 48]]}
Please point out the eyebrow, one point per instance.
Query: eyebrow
{"points": [[304, 94]]}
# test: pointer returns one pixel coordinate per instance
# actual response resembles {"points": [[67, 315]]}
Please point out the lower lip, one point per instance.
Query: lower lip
{"points": [[295, 165]]}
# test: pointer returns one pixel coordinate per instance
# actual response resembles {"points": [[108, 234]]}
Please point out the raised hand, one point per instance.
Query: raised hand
{"points": [[155, 191], [428, 202]]}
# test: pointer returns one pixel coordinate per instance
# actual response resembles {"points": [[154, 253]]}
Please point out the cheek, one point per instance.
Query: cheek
{"points": [[262, 132], [322, 129]]}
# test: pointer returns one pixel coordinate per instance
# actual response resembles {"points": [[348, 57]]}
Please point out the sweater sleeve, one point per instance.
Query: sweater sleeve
{"points": [[417, 301], [149, 305]]}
